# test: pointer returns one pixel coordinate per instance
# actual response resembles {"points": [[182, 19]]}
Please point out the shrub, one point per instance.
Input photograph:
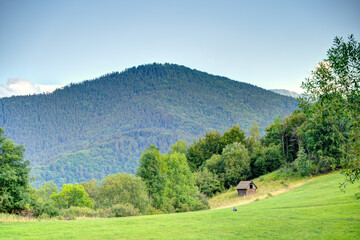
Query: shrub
{"points": [[123, 210], [44, 216], [155, 211], [73, 212], [39, 208]]}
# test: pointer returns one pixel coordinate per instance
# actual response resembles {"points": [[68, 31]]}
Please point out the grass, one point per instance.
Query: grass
{"points": [[316, 210], [11, 218]]}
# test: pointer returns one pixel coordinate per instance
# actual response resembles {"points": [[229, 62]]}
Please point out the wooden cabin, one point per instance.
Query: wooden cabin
{"points": [[245, 188]]}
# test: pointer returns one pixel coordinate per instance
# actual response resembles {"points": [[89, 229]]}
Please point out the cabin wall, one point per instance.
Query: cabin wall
{"points": [[245, 192], [241, 192], [250, 191]]}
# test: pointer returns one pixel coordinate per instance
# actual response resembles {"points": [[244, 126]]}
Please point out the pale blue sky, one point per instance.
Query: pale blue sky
{"points": [[271, 44]]}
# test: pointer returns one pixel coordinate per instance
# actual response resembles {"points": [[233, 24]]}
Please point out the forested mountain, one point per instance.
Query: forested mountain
{"points": [[99, 127]]}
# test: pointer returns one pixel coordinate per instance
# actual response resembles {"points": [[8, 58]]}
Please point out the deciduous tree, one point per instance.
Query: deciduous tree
{"points": [[14, 176], [72, 195], [332, 97], [237, 163]]}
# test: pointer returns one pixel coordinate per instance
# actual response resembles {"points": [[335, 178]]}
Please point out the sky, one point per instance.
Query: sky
{"points": [[270, 44]]}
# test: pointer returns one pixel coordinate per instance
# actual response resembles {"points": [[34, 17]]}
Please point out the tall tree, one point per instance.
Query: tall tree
{"points": [[181, 189], [237, 163], [202, 150], [14, 176], [253, 140], [334, 90], [235, 134], [123, 189], [152, 172]]}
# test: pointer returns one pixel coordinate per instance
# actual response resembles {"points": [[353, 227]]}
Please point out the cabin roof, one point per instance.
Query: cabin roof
{"points": [[245, 185]]}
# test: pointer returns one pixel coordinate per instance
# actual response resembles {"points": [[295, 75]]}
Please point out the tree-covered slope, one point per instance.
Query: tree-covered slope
{"points": [[100, 127]]}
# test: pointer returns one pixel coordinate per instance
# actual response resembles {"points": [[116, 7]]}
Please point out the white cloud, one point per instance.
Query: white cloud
{"points": [[19, 86], [47, 88]]}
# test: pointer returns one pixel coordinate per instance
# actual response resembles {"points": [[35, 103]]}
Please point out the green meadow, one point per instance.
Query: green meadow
{"points": [[315, 210]]}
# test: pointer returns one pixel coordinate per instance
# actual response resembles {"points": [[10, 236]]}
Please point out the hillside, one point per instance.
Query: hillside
{"points": [[100, 127], [316, 210]]}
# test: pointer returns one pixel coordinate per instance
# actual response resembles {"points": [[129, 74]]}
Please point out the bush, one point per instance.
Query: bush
{"points": [[44, 216], [123, 210], [39, 208], [73, 212], [155, 211], [102, 212]]}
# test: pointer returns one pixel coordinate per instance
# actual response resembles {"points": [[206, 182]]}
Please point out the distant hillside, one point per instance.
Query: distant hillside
{"points": [[286, 93], [100, 127]]}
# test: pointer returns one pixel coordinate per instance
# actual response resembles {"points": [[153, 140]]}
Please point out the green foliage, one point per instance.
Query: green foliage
{"points": [[331, 133], [123, 210], [208, 182], [92, 189], [181, 188], [39, 208], [202, 150], [235, 134], [41, 202], [283, 132], [123, 188], [14, 176], [152, 171], [179, 146], [212, 143], [73, 212], [303, 164], [169, 180], [331, 105], [254, 140], [72, 195], [260, 166], [237, 163], [46, 190], [273, 158], [215, 164]]}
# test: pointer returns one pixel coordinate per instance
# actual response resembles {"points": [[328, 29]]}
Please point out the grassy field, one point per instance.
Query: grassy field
{"points": [[316, 210]]}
